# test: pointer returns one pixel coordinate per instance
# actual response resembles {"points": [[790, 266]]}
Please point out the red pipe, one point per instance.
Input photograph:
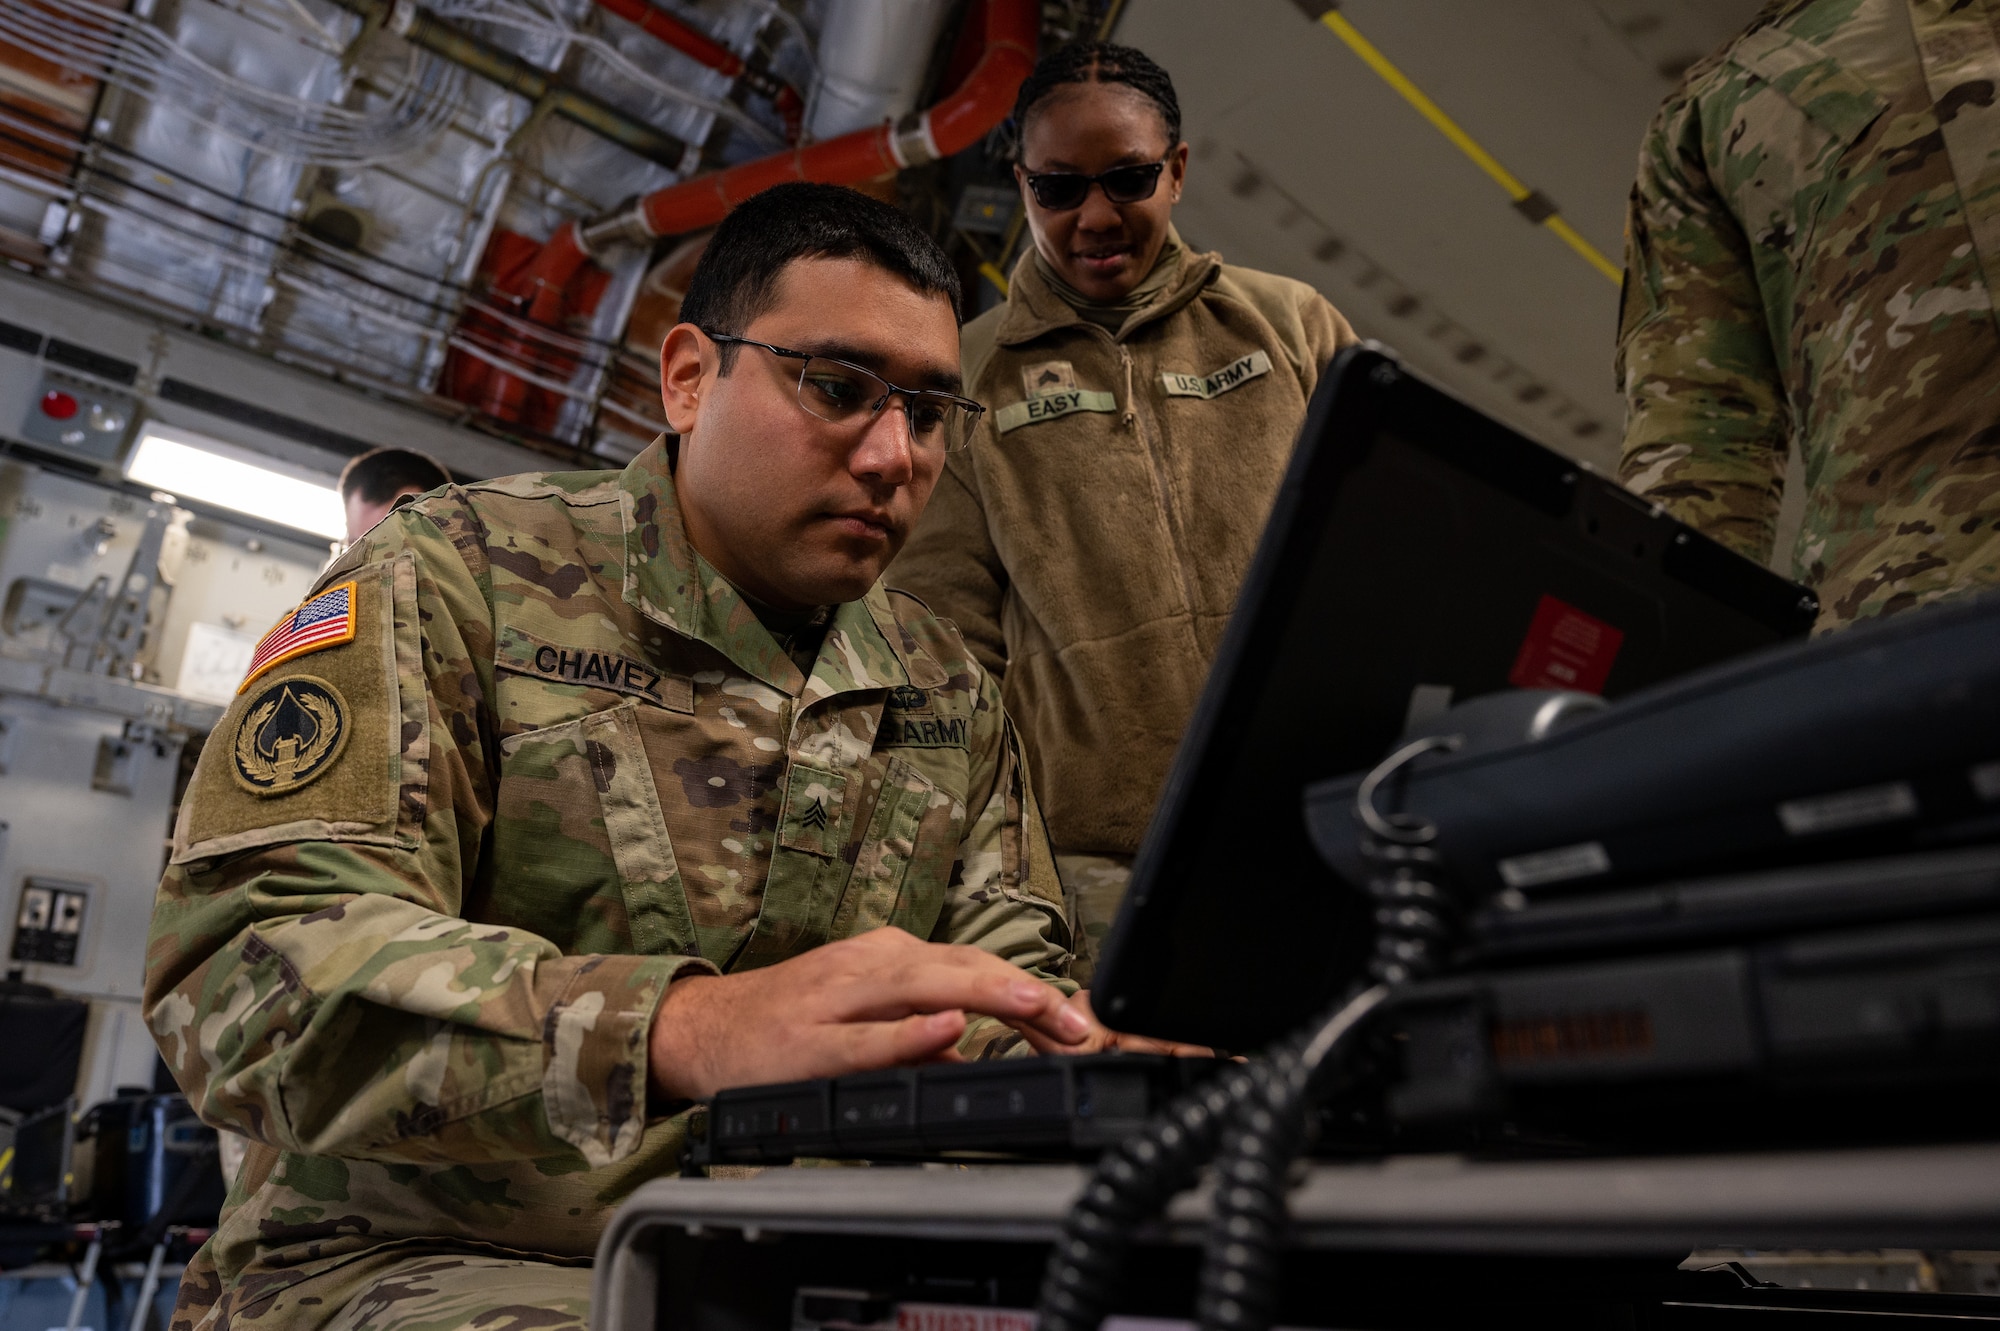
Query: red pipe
{"points": [[699, 46], [1011, 31], [687, 40]]}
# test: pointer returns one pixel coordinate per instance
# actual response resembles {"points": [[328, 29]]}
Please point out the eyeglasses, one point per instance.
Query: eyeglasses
{"points": [[842, 393], [1062, 191]]}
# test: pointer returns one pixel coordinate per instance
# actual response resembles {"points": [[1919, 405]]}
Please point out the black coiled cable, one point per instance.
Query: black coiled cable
{"points": [[1264, 1135], [1254, 1112], [1239, 1272], [1414, 917], [1131, 1183]]}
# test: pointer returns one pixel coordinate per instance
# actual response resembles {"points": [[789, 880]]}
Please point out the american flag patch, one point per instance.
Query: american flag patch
{"points": [[325, 621]]}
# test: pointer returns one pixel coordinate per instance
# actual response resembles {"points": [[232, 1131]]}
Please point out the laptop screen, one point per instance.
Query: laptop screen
{"points": [[1418, 554]]}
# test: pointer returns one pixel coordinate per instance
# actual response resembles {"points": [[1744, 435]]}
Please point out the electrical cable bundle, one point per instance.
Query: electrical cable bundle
{"points": [[127, 51], [240, 243], [1253, 1120], [529, 17]]}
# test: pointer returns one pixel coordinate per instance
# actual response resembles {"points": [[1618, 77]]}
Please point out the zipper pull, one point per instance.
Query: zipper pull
{"points": [[1131, 417]]}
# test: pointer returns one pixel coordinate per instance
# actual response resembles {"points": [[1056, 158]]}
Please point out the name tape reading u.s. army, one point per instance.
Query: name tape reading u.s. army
{"points": [[1233, 375], [927, 731]]}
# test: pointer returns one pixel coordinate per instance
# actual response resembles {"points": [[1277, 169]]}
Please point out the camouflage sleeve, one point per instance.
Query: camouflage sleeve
{"points": [[1004, 895], [950, 563], [311, 977], [1707, 425]]}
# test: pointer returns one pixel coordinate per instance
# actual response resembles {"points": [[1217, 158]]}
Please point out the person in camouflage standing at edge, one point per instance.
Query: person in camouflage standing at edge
{"points": [[1813, 252], [569, 799]]}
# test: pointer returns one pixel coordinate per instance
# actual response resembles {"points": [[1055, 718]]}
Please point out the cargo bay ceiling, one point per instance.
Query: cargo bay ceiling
{"points": [[1307, 161], [486, 209], [482, 208]]}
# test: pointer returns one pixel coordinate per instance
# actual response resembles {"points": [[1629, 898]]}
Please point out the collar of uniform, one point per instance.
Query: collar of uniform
{"points": [[669, 582], [866, 648], [1034, 307]]}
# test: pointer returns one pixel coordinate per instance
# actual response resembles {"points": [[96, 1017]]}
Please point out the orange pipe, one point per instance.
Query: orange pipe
{"points": [[687, 40], [1011, 31], [699, 46]]}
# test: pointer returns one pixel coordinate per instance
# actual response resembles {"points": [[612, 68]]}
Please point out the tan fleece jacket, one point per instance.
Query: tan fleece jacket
{"points": [[1090, 541]]}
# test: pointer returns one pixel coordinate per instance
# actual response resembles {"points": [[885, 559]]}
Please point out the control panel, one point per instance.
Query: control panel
{"points": [[78, 415]]}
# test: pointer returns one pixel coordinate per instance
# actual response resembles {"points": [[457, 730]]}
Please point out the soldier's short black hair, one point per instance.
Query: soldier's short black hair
{"points": [[736, 278], [378, 475], [1098, 62]]}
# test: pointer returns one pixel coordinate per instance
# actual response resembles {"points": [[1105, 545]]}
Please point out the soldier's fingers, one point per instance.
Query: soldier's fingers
{"points": [[1146, 1044], [1137, 1044], [1095, 1042], [1047, 1015], [863, 1046], [1019, 1000], [1095, 1039], [965, 978]]}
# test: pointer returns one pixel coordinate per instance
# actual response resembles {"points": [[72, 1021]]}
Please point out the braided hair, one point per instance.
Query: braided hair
{"points": [[1098, 62]]}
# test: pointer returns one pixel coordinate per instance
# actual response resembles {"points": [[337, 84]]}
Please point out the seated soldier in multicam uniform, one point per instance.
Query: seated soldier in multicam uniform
{"points": [[569, 799]]}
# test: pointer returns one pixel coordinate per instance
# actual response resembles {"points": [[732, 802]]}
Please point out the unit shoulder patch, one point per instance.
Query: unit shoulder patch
{"points": [[1233, 375], [290, 734], [326, 620]]}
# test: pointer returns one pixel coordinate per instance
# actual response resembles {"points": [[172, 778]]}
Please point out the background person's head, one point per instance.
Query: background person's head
{"points": [[1088, 108], [386, 478], [794, 509]]}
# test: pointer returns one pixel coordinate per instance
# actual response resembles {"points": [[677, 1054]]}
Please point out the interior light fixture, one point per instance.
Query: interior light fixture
{"points": [[197, 467]]}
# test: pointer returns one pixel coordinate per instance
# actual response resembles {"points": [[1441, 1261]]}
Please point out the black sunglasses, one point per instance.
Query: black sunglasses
{"points": [[1061, 191]]}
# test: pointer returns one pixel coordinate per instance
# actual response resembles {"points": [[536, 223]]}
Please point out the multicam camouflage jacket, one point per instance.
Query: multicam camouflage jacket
{"points": [[1814, 248], [522, 758]]}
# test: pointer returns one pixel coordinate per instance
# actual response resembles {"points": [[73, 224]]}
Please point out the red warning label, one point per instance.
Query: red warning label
{"points": [[1565, 649]]}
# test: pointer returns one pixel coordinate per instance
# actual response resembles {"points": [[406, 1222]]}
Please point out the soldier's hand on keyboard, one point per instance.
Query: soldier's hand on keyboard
{"points": [[1102, 1038], [880, 999]]}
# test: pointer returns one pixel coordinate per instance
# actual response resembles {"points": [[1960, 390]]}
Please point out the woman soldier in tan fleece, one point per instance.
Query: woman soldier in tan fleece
{"points": [[1143, 398]]}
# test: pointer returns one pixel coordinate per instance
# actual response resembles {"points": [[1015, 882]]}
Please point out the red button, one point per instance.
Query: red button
{"points": [[60, 406]]}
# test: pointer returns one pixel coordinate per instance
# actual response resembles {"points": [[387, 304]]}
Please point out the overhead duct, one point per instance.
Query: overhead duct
{"points": [[872, 61], [1010, 32]]}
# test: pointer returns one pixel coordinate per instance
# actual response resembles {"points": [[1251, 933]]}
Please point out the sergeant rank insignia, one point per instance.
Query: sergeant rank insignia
{"points": [[1049, 377], [1050, 390], [290, 734]]}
